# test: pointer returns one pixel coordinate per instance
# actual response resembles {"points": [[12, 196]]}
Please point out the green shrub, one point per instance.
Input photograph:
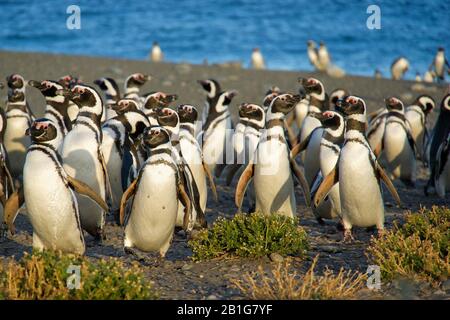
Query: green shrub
{"points": [[250, 235], [43, 275], [418, 249]]}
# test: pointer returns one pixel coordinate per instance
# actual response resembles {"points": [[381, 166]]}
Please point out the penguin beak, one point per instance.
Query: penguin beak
{"points": [[231, 94], [170, 98], [98, 82], [204, 84]]}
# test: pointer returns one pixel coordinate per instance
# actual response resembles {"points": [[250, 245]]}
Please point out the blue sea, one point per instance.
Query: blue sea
{"points": [[192, 31]]}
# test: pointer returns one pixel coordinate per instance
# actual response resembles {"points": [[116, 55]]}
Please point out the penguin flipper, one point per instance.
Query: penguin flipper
{"points": [[212, 185], [108, 189], [382, 174], [242, 185], [302, 180], [84, 189], [11, 209], [290, 133], [184, 198], [290, 119], [328, 182], [299, 147], [126, 195], [9, 177]]}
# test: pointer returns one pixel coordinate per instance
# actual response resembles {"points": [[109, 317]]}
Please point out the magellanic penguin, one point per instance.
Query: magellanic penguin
{"points": [[398, 145], [48, 192], [192, 153], [133, 85], [112, 95], [155, 102], [442, 171], [440, 133], [156, 193], [440, 64], [156, 54], [358, 173], [416, 115], [313, 55], [119, 150], [68, 82], [311, 130], [335, 95], [217, 128], [271, 168], [56, 108], [257, 60], [19, 120], [323, 56], [330, 148], [399, 67], [83, 158]]}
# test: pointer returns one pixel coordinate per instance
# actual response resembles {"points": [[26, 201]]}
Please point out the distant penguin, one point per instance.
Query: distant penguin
{"points": [[19, 120], [440, 64], [324, 56], [155, 194], [398, 144], [217, 127], [417, 115], [112, 94], [442, 171], [6, 180], [399, 67], [313, 54], [418, 77], [428, 76], [358, 174], [440, 133], [257, 60], [48, 192], [68, 82], [378, 74], [133, 84], [271, 168], [83, 158], [56, 108], [156, 54]]}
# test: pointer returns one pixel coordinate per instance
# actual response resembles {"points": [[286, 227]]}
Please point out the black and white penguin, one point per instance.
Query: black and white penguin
{"points": [[112, 95], [271, 168], [154, 102], [323, 56], [68, 82], [442, 171], [133, 85], [257, 60], [399, 67], [19, 120], [217, 128], [56, 106], [155, 194], [440, 64], [82, 155], [398, 145], [156, 54], [48, 192], [358, 174], [440, 133], [313, 54], [6, 180], [417, 115]]}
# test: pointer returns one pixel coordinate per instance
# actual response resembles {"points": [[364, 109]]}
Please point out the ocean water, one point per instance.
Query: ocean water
{"points": [[192, 31]]}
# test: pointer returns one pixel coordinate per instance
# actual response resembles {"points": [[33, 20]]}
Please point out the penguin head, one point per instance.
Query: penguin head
{"points": [[159, 100], [336, 95], [48, 88], [313, 87], [42, 130], [84, 96], [155, 136], [351, 105], [211, 86], [228, 97], [15, 81], [108, 85], [284, 103], [187, 113], [168, 118], [445, 104], [394, 104], [330, 119], [311, 44], [69, 81], [125, 105], [270, 95], [426, 103], [16, 96], [137, 80], [252, 111]]}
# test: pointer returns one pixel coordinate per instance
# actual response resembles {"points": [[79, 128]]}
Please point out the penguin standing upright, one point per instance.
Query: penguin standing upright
{"points": [[440, 64], [440, 133], [313, 54], [82, 156], [271, 168], [6, 180], [68, 82], [156, 54], [442, 171], [257, 60], [154, 102], [399, 67], [416, 115], [358, 174], [48, 192], [323, 56], [112, 94], [156, 193], [217, 127], [398, 145], [19, 120]]}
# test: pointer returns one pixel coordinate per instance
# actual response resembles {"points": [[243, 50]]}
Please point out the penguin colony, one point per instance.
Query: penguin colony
{"points": [[151, 167]]}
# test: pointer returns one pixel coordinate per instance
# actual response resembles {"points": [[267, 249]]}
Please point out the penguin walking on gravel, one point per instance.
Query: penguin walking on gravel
{"points": [[440, 133], [155, 194], [358, 173], [440, 64], [270, 168], [112, 94], [49, 194], [399, 67], [398, 145], [217, 127], [83, 158]]}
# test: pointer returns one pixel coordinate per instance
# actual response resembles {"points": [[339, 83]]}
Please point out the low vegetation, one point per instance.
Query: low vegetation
{"points": [[250, 235], [418, 249], [44, 275], [284, 283]]}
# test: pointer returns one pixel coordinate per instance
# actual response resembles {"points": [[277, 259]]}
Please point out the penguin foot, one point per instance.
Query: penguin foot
{"points": [[320, 221], [340, 226], [348, 237], [370, 229], [251, 208], [381, 232]]}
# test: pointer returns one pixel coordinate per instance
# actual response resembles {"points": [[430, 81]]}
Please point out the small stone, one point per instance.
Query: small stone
{"points": [[439, 292], [276, 257], [186, 267], [330, 249], [212, 297], [167, 83], [201, 276], [446, 285]]}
